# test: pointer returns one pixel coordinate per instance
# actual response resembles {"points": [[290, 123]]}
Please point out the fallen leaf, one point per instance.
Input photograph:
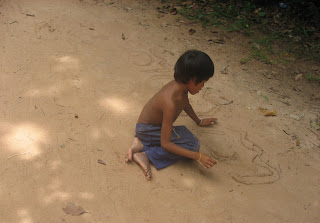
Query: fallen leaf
{"points": [[296, 117], [266, 112], [102, 162], [298, 77], [256, 46], [315, 125], [225, 70], [186, 3], [72, 209], [296, 89], [218, 41], [192, 31], [174, 11], [126, 8], [269, 76]]}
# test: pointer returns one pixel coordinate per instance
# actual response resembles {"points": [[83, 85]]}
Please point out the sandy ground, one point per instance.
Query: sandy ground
{"points": [[74, 77]]}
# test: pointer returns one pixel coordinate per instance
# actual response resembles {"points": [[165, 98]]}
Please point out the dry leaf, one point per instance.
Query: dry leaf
{"points": [[298, 77], [174, 11], [315, 125], [72, 209], [296, 89], [266, 112], [186, 3], [102, 162], [192, 31]]}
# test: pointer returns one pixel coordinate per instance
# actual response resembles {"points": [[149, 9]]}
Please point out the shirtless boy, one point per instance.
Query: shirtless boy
{"points": [[157, 140]]}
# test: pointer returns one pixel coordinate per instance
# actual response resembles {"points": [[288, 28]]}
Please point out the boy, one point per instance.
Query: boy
{"points": [[157, 140]]}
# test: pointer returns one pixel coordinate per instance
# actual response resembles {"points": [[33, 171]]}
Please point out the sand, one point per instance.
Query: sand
{"points": [[74, 76]]}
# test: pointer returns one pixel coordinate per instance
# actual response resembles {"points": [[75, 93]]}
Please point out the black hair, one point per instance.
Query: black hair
{"points": [[193, 64]]}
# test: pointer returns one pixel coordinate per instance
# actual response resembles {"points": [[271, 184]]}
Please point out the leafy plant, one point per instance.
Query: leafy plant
{"points": [[310, 77]]}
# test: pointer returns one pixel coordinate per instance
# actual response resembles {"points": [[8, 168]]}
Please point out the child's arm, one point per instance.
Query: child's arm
{"points": [[166, 131], [189, 110], [202, 122]]}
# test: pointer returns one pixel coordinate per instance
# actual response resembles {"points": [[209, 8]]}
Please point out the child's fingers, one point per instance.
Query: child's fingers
{"points": [[213, 120], [209, 163], [212, 163]]}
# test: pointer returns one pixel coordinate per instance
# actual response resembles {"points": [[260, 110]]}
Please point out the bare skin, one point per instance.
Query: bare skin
{"points": [[135, 148], [162, 110], [142, 160], [134, 153]]}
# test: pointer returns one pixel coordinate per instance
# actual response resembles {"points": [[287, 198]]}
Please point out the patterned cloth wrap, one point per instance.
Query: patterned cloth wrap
{"points": [[150, 135]]}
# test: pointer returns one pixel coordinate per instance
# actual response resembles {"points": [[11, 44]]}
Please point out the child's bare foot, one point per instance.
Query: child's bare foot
{"points": [[143, 161], [135, 148]]}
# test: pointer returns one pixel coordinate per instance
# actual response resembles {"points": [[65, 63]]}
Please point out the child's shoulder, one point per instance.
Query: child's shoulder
{"points": [[172, 93]]}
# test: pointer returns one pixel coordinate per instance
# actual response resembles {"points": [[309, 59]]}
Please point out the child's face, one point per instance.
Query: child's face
{"points": [[195, 88]]}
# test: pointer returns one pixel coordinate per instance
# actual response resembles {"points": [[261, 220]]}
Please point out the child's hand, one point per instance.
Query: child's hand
{"points": [[208, 121], [207, 161]]}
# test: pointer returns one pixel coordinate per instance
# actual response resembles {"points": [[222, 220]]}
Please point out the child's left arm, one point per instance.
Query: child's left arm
{"points": [[202, 122]]}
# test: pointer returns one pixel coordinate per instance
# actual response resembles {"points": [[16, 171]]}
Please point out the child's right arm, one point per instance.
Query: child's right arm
{"points": [[166, 131]]}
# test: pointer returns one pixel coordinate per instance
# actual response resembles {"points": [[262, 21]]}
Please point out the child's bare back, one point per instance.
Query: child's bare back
{"points": [[171, 94]]}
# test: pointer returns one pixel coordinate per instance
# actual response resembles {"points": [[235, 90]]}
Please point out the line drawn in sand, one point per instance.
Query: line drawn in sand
{"points": [[222, 155], [273, 174], [270, 175], [204, 103], [140, 58], [156, 82]]}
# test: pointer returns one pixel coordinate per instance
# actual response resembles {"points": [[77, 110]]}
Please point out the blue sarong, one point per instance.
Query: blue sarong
{"points": [[150, 136]]}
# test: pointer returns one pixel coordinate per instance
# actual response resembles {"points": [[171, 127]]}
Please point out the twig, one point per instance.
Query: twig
{"points": [[44, 114]]}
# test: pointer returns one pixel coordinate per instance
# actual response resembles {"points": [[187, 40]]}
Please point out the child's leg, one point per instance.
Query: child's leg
{"points": [[134, 153], [185, 139], [150, 136]]}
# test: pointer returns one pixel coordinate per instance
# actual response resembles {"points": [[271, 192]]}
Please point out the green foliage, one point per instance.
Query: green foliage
{"points": [[256, 17], [310, 77]]}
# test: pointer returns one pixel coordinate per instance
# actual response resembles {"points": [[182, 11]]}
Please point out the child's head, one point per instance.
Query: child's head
{"points": [[193, 65]]}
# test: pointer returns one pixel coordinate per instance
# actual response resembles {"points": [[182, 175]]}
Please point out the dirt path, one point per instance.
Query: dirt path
{"points": [[74, 76]]}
